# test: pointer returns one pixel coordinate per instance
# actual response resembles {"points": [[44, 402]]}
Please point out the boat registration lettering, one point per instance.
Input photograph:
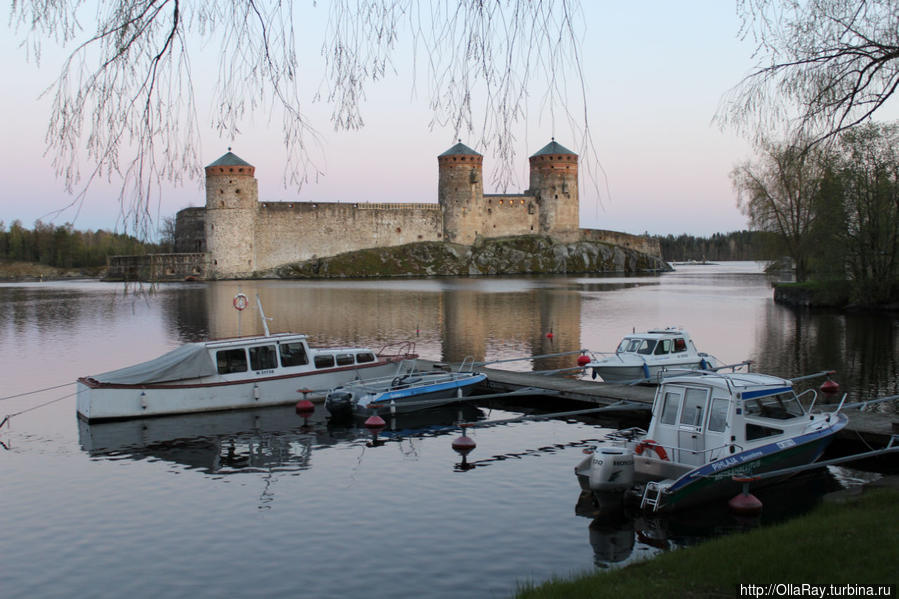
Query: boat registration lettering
{"points": [[733, 461], [265, 371], [786, 443]]}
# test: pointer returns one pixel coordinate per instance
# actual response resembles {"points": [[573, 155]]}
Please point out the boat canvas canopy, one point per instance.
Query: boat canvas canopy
{"points": [[187, 362]]}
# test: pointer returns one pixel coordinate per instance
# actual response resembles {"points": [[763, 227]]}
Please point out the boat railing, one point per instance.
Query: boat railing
{"points": [[814, 395], [397, 349], [706, 453], [467, 364]]}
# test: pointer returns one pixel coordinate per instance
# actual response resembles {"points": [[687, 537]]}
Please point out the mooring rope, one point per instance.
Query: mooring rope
{"points": [[46, 403], [35, 391]]}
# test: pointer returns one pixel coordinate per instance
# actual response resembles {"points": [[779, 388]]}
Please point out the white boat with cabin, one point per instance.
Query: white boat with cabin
{"points": [[229, 374], [644, 356], [706, 429]]}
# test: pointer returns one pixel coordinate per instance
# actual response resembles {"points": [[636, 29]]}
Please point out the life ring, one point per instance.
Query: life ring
{"points": [[240, 302], [650, 444]]}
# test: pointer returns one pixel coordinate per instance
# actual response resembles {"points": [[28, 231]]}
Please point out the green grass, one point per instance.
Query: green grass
{"points": [[854, 543]]}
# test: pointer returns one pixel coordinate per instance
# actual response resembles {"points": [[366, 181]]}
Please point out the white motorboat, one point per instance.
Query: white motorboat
{"points": [[642, 357], [406, 391], [244, 372], [706, 429]]}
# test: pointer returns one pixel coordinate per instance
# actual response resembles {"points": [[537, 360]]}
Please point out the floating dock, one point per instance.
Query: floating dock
{"points": [[868, 427]]}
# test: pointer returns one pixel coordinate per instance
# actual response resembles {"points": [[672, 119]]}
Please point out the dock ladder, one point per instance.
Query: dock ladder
{"points": [[652, 493]]}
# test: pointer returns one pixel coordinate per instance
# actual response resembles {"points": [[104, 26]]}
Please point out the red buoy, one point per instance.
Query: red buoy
{"points": [[305, 408], [745, 503], [375, 424], [583, 360], [464, 445], [830, 387], [549, 335]]}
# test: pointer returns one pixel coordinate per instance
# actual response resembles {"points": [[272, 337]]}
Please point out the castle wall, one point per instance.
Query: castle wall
{"points": [[639, 243], [156, 267], [510, 215], [293, 231], [190, 230]]}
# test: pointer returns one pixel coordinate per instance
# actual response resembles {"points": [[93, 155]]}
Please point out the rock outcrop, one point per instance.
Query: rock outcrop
{"points": [[526, 254]]}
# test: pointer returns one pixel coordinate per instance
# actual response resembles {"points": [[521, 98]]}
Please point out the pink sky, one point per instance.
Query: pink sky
{"points": [[655, 74]]}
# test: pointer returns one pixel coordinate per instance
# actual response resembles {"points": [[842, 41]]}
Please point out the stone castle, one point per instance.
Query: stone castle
{"points": [[236, 235]]}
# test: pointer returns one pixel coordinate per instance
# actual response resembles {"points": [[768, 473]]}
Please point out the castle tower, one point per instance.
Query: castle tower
{"points": [[460, 191], [232, 195], [554, 184]]}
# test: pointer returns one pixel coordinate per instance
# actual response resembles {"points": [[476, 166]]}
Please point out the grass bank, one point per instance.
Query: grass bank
{"points": [[849, 543]]}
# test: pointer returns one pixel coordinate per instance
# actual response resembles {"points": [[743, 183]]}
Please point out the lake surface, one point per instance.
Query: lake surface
{"points": [[254, 503]]}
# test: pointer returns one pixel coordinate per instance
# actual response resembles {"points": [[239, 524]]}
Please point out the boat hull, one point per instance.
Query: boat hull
{"points": [[716, 480], [103, 402], [626, 373], [342, 403]]}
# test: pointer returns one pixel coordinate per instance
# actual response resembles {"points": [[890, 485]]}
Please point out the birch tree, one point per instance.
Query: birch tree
{"points": [[126, 96], [824, 66]]}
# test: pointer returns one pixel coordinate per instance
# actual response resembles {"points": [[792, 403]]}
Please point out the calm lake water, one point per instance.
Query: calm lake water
{"points": [[253, 503]]}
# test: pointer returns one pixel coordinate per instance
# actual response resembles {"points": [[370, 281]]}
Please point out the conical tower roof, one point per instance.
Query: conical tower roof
{"points": [[553, 147], [230, 159], [459, 149]]}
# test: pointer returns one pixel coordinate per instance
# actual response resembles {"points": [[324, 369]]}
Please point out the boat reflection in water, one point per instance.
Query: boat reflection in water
{"points": [[621, 535], [249, 440]]}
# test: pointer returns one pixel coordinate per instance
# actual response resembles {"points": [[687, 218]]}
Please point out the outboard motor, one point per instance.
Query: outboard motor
{"points": [[340, 403], [611, 470]]}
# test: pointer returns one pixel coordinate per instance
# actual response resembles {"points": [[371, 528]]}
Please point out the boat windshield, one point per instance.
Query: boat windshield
{"points": [[781, 406], [636, 345]]}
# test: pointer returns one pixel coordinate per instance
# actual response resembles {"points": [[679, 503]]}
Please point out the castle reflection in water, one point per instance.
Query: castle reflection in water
{"points": [[448, 319]]}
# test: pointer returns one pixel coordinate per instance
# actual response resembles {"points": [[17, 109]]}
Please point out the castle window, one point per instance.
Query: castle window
{"points": [[522, 201], [500, 202], [399, 230], [419, 236], [238, 191], [222, 204], [240, 170], [557, 196], [489, 210], [230, 170], [221, 191]]}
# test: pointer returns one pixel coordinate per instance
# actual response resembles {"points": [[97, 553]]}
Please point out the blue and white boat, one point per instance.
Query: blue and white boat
{"points": [[708, 428], [646, 357], [406, 391]]}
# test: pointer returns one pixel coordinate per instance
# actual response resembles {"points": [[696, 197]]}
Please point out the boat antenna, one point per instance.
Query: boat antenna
{"points": [[265, 319]]}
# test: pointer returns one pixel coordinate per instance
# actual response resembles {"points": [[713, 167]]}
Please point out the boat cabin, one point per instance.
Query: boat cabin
{"points": [[698, 419], [656, 343], [264, 355]]}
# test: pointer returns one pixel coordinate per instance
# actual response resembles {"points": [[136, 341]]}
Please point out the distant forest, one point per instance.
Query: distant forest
{"points": [[739, 245], [64, 247]]}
